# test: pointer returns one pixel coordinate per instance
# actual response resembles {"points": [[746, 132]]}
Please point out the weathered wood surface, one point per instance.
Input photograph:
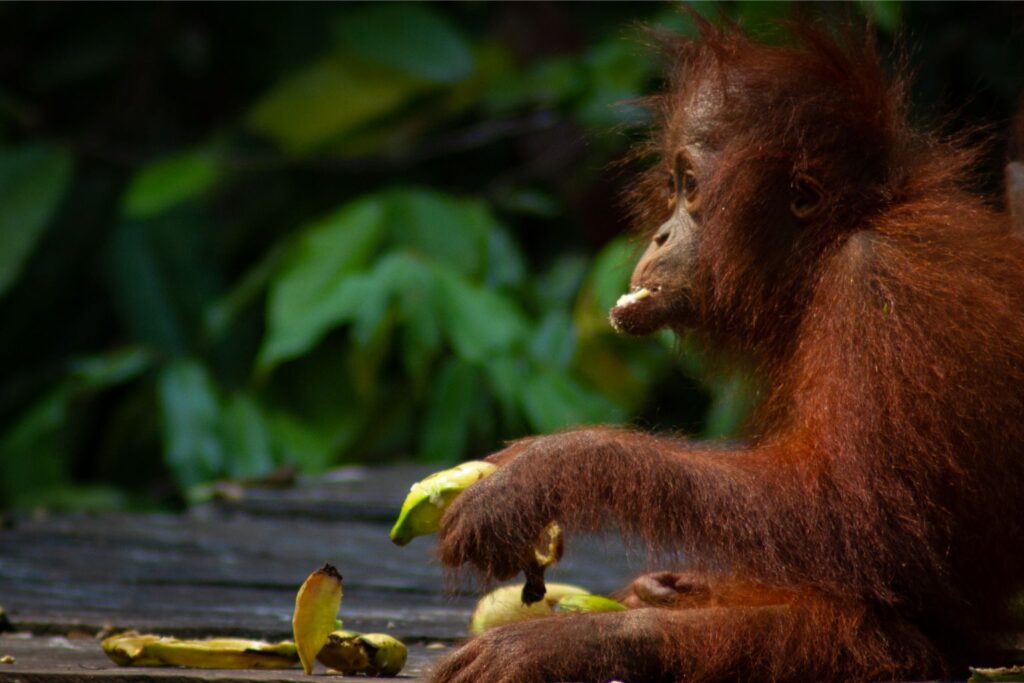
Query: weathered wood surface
{"points": [[232, 568]]}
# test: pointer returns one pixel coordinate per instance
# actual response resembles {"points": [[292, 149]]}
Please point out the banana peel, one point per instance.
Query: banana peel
{"points": [[348, 652], [429, 498], [316, 610], [373, 654], [317, 636], [133, 649]]}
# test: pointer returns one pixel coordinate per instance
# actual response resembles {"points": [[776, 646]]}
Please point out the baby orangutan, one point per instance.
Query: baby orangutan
{"points": [[872, 526]]}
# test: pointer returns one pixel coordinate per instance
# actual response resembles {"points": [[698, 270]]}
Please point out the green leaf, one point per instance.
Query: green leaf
{"points": [[552, 400], [34, 451], [32, 181], [506, 266], [421, 329], [410, 37], [140, 292], [328, 99], [730, 404], [247, 442], [217, 318], [607, 280], [610, 273], [170, 181], [554, 342], [529, 201], [506, 379], [110, 369], [619, 72], [301, 443], [315, 289], [162, 276], [762, 18], [190, 415], [446, 427], [558, 285], [444, 229], [887, 13], [478, 322]]}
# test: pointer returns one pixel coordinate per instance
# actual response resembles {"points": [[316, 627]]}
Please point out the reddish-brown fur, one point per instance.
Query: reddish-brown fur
{"points": [[872, 527]]}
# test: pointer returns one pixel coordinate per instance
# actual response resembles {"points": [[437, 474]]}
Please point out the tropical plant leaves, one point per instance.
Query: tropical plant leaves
{"points": [[449, 414], [170, 181], [410, 37], [315, 289], [32, 181], [328, 99], [190, 416]]}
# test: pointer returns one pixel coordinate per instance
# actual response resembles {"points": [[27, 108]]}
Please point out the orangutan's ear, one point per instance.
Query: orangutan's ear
{"points": [[808, 197]]}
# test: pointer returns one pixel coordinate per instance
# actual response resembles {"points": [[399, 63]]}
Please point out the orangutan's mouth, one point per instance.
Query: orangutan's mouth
{"points": [[635, 295], [632, 313]]}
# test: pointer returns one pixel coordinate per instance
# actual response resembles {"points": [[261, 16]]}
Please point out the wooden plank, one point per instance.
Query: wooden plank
{"points": [[231, 567], [58, 659]]}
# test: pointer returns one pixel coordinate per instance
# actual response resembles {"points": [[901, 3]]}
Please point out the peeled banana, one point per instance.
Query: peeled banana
{"points": [[428, 499], [588, 603], [373, 654], [132, 649], [316, 609], [505, 605]]}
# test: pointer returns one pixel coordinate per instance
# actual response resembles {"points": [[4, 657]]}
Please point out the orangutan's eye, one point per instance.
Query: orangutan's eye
{"points": [[691, 191]]}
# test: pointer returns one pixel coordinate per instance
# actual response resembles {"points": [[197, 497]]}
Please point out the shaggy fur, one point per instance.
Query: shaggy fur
{"points": [[872, 527]]}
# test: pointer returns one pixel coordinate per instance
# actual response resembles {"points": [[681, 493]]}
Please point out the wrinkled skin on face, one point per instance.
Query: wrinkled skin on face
{"points": [[663, 277], [662, 287], [719, 197]]}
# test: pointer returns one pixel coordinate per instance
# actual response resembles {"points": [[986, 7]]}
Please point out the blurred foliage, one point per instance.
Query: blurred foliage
{"points": [[237, 237]]}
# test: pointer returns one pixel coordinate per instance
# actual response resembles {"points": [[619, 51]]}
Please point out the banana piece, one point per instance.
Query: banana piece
{"points": [[550, 546], [505, 605], [1013, 673], [588, 603], [373, 654], [547, 552], [132, 649], [428, 499], [316, 609]]}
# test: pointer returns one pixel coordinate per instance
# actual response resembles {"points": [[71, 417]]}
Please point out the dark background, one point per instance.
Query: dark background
{"points": [[236, 238]]}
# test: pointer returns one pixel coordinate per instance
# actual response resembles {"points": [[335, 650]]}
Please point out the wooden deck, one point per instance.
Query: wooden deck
{"points": [[232, 568]]}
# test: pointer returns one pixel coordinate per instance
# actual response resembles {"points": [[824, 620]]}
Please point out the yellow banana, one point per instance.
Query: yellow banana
{"points": [[428, 499], [373, 654], [132, 649], [505, 605], [316, 609]]}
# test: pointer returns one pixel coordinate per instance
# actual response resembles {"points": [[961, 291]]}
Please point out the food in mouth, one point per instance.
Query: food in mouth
{"points": [[629, 316], [632, 297]]}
